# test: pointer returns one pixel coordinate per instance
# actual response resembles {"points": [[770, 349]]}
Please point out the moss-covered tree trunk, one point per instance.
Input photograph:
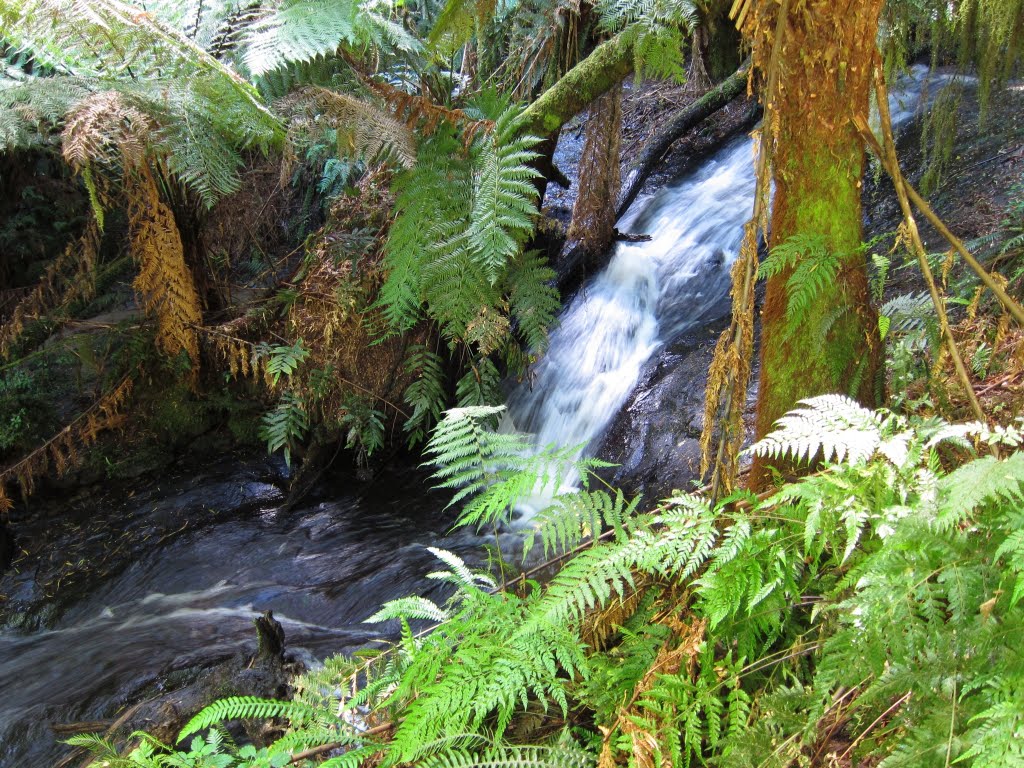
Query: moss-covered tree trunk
{"points": [[605, 67], [818, 164]]}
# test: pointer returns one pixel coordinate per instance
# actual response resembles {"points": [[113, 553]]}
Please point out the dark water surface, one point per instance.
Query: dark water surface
{"points": [[322, 569]]}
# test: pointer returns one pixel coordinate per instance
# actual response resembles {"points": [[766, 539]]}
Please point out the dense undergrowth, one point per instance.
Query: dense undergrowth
{"points": [[869, 611]]}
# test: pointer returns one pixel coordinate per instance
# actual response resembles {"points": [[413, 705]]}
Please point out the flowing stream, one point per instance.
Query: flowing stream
{"points": [[649, 294], [322, 569], [325, 568], [653, 292]]}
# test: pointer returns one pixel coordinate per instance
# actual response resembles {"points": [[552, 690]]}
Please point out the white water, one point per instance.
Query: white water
{"points": [[648, 295], [653, 292]]}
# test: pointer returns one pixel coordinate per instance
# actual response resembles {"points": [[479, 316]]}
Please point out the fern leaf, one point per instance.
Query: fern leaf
{"points": [[834, 425], [246, 708]]}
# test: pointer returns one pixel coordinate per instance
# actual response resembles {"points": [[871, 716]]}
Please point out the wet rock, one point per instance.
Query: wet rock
{"points": [[655, 438]]}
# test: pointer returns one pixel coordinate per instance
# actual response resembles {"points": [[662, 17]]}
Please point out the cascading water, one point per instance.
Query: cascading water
{"points": [[653, 292], [650, 293]]}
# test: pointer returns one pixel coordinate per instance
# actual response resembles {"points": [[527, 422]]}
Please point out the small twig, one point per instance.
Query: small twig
{"points": [[899, 702]]}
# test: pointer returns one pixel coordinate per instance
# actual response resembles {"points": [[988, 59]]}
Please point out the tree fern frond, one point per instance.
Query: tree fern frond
{"points": [[533, 299], [426, 394], [504, 204], [835, 425], [809, 267], [908, 311], [303, 30], [367, 130]]}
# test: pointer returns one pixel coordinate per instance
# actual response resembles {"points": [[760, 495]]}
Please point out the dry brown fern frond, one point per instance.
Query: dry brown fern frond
{"points": [[61, 451], [68, 277], [601, 626], [332, 313], [103, 128], [164, 283], [420, 113], [649, 750]]}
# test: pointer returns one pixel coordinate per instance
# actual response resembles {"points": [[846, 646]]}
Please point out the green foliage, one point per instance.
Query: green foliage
{"points": [[480, 385], [363, 426], [832, 425], [285, 426], [754, 633], [282, 359], [302, 31], [657, 30], [454, 250], [809, 266], [178, 105], [25, 409], [426, 394]]}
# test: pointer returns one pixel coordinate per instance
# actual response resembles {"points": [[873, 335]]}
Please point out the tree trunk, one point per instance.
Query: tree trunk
{"points": [[818, 165], [593, 214]]}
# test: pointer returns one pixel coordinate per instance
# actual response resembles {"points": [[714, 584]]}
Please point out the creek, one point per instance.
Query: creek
{"points": [[190, 597]]}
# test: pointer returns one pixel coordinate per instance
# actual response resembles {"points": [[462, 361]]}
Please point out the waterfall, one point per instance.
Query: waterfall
{"points": [[653, 292], [649, 294]]}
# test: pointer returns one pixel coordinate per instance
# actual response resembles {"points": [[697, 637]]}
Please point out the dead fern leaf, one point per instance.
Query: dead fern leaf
{"points": [[164, 283], [103, 128], [68, 277]]}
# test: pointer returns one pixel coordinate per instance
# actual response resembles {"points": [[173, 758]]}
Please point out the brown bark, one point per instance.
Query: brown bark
{"points": [[593, 214], [818, 165]]}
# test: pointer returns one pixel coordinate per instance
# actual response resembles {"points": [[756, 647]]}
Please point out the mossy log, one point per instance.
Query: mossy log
{"points": [[606, 66]]}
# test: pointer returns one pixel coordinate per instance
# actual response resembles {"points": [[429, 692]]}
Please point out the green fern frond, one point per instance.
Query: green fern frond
{"points": [[480, 385], [286, 425], [426, 394], [247, 708], [533, 298], [834, 425], [505, 199], [512, 757], [978, 482], [302, 31], [810, 266], [410, 609], [908, 311]]}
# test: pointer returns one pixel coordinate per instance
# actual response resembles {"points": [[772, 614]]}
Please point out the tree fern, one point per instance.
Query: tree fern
{"points": [[533, 298], [301, 31], [454, 250]]}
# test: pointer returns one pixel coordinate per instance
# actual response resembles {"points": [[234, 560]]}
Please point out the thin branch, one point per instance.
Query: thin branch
{"points": [[887, 156]]}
